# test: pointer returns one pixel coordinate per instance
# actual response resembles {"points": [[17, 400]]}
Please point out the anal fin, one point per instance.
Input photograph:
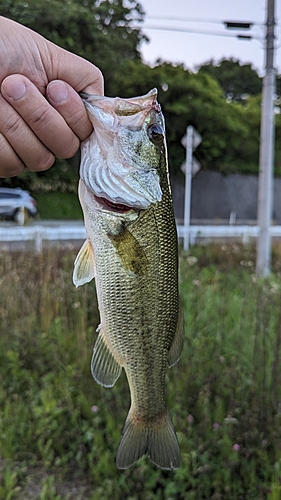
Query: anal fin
{"points": [[175, 351], [105, 368], [84, 265]]}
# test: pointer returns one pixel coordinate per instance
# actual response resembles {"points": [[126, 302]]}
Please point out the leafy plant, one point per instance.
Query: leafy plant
{"points": [[223, 394], [8, 483], [48, 491]]}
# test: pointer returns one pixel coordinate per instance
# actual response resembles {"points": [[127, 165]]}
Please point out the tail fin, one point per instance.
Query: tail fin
{"points": [[158, 442]]}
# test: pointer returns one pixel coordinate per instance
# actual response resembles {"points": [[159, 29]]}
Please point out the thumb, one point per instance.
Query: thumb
{"points": [[74, 70]]}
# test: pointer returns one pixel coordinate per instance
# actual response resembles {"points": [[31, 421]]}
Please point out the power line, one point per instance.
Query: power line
{"points": [[186, 19], [197, 20], [197, 31]]}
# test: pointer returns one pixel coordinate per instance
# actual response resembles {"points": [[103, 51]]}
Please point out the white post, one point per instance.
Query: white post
{"points": [[265, 191], [38, 241], [187, 194]]}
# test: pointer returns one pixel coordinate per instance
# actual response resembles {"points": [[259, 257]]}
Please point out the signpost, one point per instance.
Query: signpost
{"points": [[190, 141]]}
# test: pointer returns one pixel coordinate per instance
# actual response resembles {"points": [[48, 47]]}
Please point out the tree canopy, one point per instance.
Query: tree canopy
{"points": [[237, 80], [195, 99], [222, 101]]}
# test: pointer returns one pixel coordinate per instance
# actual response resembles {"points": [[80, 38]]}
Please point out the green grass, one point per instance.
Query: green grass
{"points": [[59, 430], [55, 205]]}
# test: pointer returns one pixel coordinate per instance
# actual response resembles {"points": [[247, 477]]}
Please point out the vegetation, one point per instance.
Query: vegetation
{"points": [[238, 81], [197, 99], [222, 100], [59, 430], [55, 206]]}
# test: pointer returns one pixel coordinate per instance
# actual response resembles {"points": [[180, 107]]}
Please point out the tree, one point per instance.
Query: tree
{"points": [[237, 80], [212, 100], [193, 99]]}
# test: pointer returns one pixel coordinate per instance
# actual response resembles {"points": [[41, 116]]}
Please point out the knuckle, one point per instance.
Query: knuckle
{"points": [[46, 161], [11, 170], [10, 163], [11, 126], [99, 78], [77, 118], [40, 118], [68, 145], [71, 152], [78, 123]]}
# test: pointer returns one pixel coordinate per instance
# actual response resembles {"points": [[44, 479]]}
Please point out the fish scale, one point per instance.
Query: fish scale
{"points": [[132, 253]]}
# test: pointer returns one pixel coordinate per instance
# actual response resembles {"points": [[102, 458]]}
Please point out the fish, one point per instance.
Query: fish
{"points": [[131, 251]]}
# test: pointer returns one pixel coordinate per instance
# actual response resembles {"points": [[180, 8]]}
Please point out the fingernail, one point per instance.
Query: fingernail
{"points": [[13, 87], [57, 92]]}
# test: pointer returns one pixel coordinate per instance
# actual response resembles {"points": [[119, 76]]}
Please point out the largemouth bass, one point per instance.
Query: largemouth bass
{"points": [[131, 250]]}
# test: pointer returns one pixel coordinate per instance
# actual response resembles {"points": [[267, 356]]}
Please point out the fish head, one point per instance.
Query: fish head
{"points": [[120, 161]]}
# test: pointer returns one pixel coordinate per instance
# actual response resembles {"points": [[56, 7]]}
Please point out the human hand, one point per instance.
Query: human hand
{"points": [[41, 115]]}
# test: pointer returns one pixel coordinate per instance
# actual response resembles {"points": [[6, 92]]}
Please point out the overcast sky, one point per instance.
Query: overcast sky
{"points": [[194, 49]]}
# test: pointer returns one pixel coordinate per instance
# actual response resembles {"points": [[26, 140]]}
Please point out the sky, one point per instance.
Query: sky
{"points": [[193, 49]]}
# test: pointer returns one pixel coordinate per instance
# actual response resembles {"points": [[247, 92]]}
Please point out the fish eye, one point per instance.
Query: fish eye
{"points": [[155, 134]]}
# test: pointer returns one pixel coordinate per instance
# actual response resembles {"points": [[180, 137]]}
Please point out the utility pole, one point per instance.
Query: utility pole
{"points": [[265, 189]]}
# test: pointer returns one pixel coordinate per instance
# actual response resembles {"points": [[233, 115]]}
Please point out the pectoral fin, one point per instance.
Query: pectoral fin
{"points": [[105, 368], [131, 254], [175, 351], [84, 265]]}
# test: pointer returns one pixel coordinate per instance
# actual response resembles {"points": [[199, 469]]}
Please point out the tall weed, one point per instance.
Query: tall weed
{"points": [[224, 394]]}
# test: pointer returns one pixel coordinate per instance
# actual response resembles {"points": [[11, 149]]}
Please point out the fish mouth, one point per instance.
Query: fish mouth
{"points": [[113, 207]]}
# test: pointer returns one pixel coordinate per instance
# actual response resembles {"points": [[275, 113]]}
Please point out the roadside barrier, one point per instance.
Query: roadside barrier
{"points": [[64, 231]]}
